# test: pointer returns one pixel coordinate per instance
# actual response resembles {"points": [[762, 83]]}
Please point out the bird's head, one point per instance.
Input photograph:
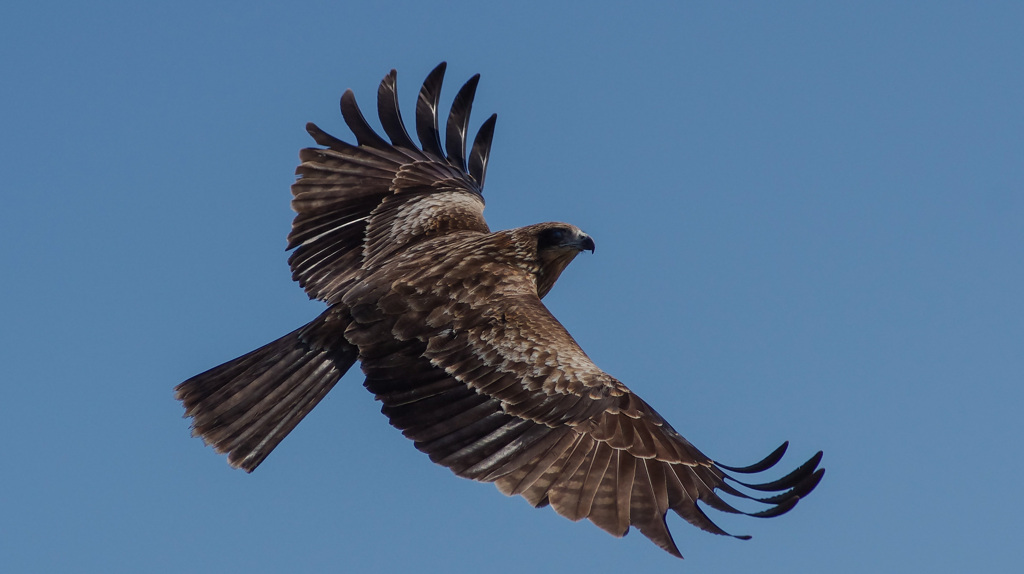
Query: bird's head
{"points": [[557, 245]]}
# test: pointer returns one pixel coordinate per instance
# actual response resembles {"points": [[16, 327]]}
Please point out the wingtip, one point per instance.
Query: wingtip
{"points": [[761, 465], [458, 123], [356, 122], [322, 138], [426, 112], [481, 151], [390, 113], [791, 480]]}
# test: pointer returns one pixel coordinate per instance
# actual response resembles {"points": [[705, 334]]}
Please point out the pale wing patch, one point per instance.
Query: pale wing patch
{"points": [[404, 219], [429, 212]]}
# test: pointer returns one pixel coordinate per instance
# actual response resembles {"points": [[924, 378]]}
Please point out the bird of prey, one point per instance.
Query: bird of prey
{"points": [[446, 319]]}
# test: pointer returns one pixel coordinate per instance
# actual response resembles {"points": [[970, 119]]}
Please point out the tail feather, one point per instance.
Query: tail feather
{"points": [[247, 406]]}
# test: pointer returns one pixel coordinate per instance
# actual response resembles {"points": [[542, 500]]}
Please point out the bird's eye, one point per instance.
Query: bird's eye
{"points": [[552, 237]]}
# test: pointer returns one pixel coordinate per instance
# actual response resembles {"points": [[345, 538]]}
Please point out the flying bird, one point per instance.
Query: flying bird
{"points": [[446, 319]]}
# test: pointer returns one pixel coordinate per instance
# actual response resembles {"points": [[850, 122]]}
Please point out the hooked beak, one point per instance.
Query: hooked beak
{"points": [[586, 243]]}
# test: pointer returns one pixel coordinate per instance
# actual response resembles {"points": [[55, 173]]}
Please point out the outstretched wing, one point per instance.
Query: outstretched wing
{"points": [[359, 204], [488, 383]]}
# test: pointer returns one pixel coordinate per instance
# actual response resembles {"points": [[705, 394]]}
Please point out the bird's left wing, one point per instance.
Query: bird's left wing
{"points": [[358, 204], [492, 386]]}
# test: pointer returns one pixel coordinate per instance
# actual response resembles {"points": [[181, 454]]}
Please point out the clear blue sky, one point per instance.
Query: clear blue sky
{"points": [[809, 225]]}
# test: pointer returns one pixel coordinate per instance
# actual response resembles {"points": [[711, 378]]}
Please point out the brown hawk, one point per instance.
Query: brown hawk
{"points": [[446, 319]]}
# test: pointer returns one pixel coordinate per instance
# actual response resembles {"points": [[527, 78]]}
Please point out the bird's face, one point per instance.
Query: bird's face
{"points": [[557, 245], [559, 238]]}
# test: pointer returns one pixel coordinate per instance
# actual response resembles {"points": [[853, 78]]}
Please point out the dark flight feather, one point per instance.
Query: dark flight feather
{"points": [[482, 150], [426, 112], [458, 123], [390, 113]]}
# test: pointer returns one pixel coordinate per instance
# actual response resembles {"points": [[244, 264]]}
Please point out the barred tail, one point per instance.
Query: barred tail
{"points": [[245, 407]]}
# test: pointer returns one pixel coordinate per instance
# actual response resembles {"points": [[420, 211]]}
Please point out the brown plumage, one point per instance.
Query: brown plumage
{"points": [[446, 320]]}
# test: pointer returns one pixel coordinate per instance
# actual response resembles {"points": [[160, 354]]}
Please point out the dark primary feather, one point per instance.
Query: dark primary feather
{"points": [[458, 123], [390, 114], [365, 135], [426, 112], [447, 322], [482, 150]]}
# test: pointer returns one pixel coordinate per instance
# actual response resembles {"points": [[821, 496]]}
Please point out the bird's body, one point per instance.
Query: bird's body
{"points": [[446, 320]]}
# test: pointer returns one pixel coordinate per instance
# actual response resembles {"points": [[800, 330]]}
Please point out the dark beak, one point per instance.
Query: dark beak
{"points": [[587, 244]]}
